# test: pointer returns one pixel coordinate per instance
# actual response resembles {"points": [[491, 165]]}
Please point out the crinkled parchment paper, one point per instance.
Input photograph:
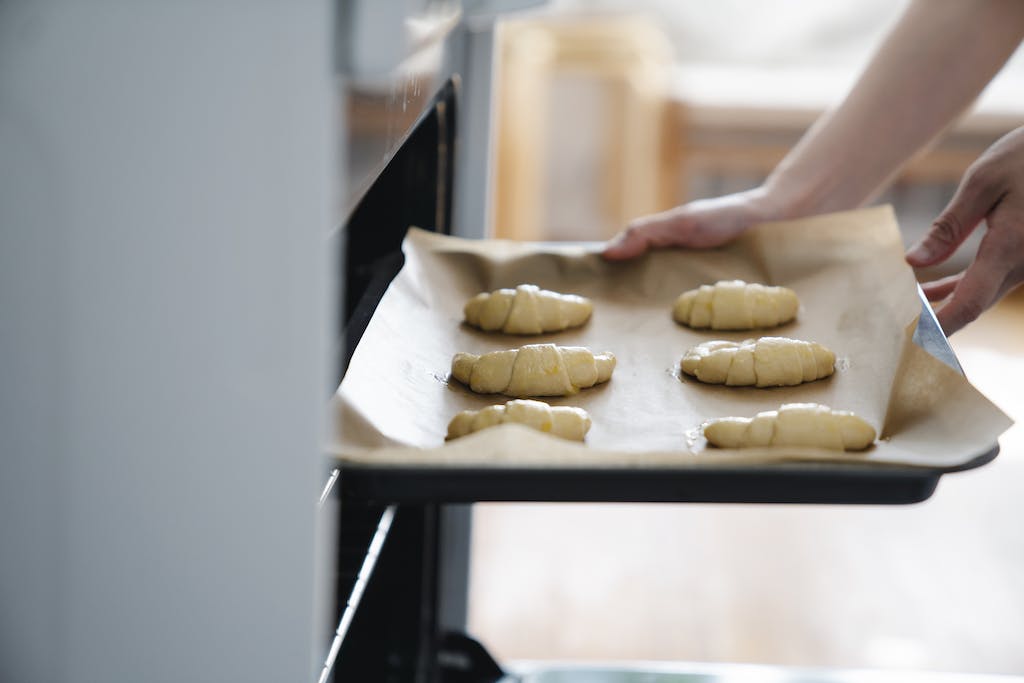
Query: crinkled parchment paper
{"points": [[858, 297]]}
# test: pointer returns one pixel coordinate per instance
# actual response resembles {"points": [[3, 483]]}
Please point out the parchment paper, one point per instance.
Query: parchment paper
{"points": [[858, 297]]}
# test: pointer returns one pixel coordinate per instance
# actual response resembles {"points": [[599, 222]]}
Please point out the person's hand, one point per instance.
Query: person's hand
{"points": [[992, 190], [700, 224]]}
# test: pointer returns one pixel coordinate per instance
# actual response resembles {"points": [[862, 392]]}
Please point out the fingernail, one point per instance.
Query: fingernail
{"points": [[616, 242], [920, 251], [610, 250]]}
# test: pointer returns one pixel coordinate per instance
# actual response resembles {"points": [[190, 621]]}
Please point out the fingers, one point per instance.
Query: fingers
{"points": [[626, 245], [937, 290], [997, 268], [700, 224], [989, 275], [993, 190], [974, 199], [978, 288], [660, 230], [623, 246]]}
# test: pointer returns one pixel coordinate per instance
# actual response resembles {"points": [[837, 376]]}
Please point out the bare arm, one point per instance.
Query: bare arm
{"points": [[934, 63], [932, 66]]}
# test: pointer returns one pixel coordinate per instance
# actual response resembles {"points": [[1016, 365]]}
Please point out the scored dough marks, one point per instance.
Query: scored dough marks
{"points": [[542, 374], [735, 305], [731, 307], [765, 362], [524, 316], [493, 315], [533, 370], [566, 422], [793, 425], [527, 309]]}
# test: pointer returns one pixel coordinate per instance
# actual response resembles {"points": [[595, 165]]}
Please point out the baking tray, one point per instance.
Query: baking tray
{"points": [[789, 482]]}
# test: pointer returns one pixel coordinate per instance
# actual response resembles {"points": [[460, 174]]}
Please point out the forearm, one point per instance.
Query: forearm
{"points": [[931, 67]]}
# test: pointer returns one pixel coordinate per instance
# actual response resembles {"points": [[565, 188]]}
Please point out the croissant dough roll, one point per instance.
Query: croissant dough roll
{"points": [[735, 305], [527, 309], [533, 370], [793, 424], [567, 422], [765, 362]]}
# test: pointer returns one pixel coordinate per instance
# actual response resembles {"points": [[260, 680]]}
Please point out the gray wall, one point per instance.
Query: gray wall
{"points": [[165, 175]]}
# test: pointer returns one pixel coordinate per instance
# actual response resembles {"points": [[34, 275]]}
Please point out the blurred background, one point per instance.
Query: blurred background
{"points": [[177, 184], [607, 110]]}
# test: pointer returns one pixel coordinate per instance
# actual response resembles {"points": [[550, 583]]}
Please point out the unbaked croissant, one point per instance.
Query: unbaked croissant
{"points": [[527, 309], [793, 424], [533, 370], [567, 422], [766, 362], [735, 305]]}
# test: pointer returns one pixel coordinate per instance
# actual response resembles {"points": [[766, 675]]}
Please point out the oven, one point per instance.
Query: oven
{"points": [[415, 91], [167, 182], [417, 155], [390, 626]]}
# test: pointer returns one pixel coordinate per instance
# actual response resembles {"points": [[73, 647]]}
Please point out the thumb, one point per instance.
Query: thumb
{"points": [[971, 203], [626, 245], [660, 230]]}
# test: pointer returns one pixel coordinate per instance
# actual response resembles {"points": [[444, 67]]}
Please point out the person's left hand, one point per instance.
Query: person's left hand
{"points": [[992, 190]]}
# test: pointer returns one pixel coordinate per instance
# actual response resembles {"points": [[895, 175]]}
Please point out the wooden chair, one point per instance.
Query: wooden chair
{"points": [[624, 171]]}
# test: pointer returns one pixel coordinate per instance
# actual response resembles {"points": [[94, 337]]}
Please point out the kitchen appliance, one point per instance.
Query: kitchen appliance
{"points": [[165, 190], [402, 555], [166, 177], [415, 100]]}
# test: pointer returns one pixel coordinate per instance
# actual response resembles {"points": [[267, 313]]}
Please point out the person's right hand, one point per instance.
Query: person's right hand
{"points": [[992, 191], [699, 224]]}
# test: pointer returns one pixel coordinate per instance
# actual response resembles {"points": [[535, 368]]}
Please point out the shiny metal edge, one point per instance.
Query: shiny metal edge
{"points": [[362, 579], [929, 335], [697, 672]]}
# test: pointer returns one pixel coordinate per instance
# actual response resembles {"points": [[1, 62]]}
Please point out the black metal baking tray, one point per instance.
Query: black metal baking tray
{"points": [[821, 483]]}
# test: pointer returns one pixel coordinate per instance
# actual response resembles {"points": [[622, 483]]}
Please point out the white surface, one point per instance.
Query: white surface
{"points": [[473, 60], [780, 54], [810, 87], [164, 181]]}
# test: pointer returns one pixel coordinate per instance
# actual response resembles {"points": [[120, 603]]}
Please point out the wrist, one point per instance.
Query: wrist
{"points": [[785, 198]]}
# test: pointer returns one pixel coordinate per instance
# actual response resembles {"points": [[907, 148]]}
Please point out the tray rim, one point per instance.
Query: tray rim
{"points": [[927, 334]]}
